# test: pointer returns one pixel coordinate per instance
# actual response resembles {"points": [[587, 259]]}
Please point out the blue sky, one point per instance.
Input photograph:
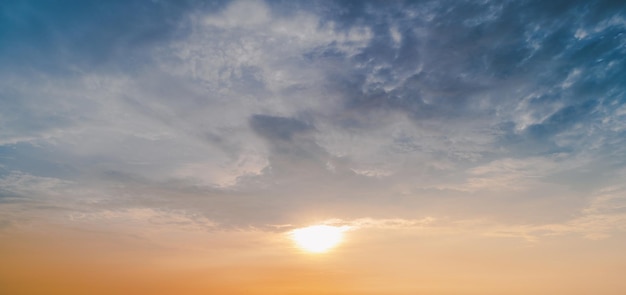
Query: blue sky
{"points": [[256, 114]]}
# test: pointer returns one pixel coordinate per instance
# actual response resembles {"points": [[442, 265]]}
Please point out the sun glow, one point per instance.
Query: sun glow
{"points": [[318, 238]]}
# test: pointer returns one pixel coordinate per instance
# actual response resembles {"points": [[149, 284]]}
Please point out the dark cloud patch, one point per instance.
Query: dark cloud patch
{"points": [[294, 153], [278, 128]]}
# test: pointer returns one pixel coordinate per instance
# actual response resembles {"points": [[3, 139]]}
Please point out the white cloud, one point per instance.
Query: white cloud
{"points": [[145, 220], [225, 174], [244, 13], [33, 187], [510, 173], [376, 173], [605, 216]]}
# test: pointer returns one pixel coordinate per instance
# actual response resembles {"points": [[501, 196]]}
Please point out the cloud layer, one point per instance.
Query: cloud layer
{"points": [[252, 113]]}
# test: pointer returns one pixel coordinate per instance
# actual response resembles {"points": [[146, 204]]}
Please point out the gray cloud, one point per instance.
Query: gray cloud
{"points": [[278, 128]]}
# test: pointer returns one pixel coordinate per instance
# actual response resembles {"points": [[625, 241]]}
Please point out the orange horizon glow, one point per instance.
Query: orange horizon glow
{"points": [[68, 261]]}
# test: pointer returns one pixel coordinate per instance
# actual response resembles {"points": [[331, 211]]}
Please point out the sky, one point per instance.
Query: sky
{"points": [[170, 147]]}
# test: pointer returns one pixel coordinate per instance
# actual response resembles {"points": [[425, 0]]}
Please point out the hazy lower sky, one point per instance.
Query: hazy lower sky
{"points": [[169, 147]]}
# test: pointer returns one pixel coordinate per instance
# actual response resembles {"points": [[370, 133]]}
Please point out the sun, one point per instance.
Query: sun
{"points": [[318, 238]]}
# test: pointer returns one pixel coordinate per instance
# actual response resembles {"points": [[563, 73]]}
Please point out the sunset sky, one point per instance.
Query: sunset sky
{"points": [[176, 147]]}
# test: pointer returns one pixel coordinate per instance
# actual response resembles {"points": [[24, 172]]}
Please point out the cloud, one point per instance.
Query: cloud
{"points": [[604, 216], [510, 174], [143, 220], [393, 223], [29, 186], [253, 112], [277, 128]]}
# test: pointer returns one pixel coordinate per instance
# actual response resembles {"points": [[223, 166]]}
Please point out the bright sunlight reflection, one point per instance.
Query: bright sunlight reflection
{"points": [[318, 238]]}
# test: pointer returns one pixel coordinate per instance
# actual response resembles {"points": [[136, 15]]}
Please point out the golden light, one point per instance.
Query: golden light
{"points": [[318, 238]]}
